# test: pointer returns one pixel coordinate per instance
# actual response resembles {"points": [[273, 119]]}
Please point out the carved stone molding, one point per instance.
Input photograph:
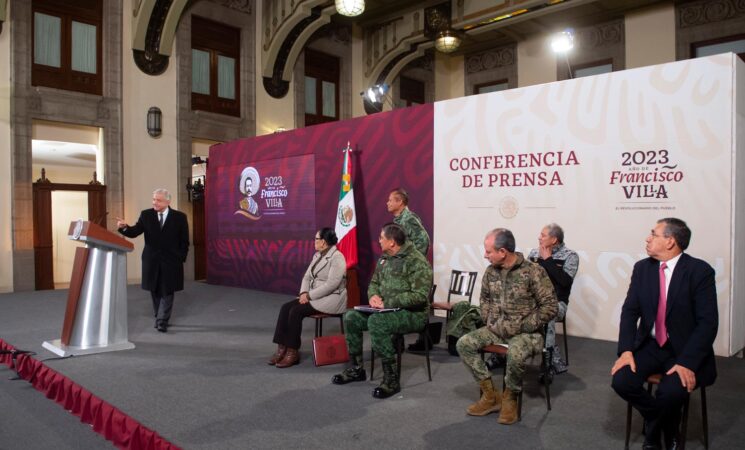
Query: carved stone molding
{"points": [[602, 35], [426, 62], [336, 32], [275, 85], [490, 59], [150, 60], [243, 6], [709, 11]]}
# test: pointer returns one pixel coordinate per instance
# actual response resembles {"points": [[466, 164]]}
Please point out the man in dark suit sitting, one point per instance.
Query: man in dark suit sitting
{"points": [[675, 297], [166, 246]]}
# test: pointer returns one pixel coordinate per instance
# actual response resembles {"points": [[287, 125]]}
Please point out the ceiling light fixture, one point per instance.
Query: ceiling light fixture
{"points": [[350, 8], [447, 42]]}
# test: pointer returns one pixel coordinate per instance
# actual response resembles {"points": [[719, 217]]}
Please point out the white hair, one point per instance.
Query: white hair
{"points": [[163, 192]]}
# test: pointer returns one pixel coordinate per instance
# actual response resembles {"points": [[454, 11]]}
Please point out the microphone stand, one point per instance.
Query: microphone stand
{"points": [[14, 356]]}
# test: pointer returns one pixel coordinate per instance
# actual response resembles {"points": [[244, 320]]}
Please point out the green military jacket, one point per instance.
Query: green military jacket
{"points": [[403, 280], [415, 232], [517, 300]]}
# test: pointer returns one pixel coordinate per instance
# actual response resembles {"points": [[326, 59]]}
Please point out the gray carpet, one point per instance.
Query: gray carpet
{"points": [[205, 385]]}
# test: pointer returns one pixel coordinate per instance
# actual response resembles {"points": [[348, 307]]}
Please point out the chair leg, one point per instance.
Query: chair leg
{"points": [[341, 323], [372, 364], [520, 406], [318, 327], [704, 417], [628, 426], [427, 345], [566, 342], [684, 424], [399, 344]]}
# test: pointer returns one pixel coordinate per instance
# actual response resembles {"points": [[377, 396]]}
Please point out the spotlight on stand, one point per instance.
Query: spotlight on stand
{"points": [[374, 97], [563, 43]]}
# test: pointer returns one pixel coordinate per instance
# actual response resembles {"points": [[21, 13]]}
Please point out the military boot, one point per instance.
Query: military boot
{"points": [[356, 372], [390, 384], [489, 402], [508, 415]]}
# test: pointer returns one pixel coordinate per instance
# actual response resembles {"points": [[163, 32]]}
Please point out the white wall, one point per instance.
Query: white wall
{"points": [[66, 207], [149, 163], [271, 113], [449, 76], [536, 62], [6, 235], [650, 35]]}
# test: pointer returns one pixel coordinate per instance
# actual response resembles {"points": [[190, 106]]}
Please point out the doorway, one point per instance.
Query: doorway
{"points": [[67, 160]]}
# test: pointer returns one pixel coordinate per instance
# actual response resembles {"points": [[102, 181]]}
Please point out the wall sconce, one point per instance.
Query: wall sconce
{"points": [[154, 117], [447, 42], [350, 8], [280, 130]]}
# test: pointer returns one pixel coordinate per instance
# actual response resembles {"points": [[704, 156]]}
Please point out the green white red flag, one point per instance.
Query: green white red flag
{"points": [[346, 215]]}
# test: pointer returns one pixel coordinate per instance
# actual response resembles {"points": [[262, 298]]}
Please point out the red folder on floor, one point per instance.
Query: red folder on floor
{"points": [[330, 350]]}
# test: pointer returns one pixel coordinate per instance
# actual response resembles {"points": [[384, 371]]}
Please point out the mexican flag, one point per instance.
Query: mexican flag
{"points": [[346, 216]]}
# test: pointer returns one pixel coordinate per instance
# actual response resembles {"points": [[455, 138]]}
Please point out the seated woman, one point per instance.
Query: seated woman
{"points": [[323, 290]]}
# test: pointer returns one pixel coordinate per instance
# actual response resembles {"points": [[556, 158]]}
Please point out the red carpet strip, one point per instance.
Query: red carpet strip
{"points": [[110, 422]]}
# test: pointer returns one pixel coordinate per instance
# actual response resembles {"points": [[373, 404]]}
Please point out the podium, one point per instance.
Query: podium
{"points": [[96, 314]]}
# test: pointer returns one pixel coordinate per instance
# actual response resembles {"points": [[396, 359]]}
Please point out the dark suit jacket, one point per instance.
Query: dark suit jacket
{"points": [[165, 250], [691, 319]]}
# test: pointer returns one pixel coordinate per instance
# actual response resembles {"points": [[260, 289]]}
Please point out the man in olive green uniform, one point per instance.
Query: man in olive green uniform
{"points": [[402, 279], [517, 300], [398, 205]]}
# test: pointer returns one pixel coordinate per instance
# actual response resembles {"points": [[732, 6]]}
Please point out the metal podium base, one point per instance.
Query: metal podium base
{"points": [[58, 348]]}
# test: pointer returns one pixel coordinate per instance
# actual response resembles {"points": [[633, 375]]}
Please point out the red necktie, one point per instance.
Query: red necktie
{"points": [[660, 331]]}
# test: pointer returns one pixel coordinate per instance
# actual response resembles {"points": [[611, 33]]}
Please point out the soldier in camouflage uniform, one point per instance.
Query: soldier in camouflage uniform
{"points": [[402, 279], [561, 264], [517, 300], [398, 205]]}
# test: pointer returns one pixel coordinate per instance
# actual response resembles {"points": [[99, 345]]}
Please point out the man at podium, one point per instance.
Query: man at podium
{"points": [[166, 246]]}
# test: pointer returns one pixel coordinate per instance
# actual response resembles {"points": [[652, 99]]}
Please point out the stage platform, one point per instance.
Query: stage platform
{"points": [[206, 385]]}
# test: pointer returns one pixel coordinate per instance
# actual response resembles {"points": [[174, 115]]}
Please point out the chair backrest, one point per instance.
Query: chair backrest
{"points": [[431, 300], [462, 283]]}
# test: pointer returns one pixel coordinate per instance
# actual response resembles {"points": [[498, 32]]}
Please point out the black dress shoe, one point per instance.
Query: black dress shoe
{"points": [[652, 435], [162, 327]]}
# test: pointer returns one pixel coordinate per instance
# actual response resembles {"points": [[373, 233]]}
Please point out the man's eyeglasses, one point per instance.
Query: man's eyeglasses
{"points": [[319, 239], [652, 234]]}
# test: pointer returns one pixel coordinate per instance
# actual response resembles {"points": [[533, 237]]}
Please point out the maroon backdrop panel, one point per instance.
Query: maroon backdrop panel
{"points": [[392, 149]]}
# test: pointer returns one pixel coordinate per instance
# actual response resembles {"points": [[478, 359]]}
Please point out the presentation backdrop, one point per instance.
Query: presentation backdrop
{"points": [[604, 157], [264, 240]]}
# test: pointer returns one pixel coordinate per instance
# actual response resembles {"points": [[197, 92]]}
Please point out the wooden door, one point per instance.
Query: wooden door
{"points": [[42, 207]]}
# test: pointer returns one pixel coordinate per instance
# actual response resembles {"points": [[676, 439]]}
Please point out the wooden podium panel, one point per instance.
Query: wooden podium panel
{"points": [[73, 294]]}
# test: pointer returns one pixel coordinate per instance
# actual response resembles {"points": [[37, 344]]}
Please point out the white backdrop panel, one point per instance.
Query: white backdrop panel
{"points": [[604, 157]]}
